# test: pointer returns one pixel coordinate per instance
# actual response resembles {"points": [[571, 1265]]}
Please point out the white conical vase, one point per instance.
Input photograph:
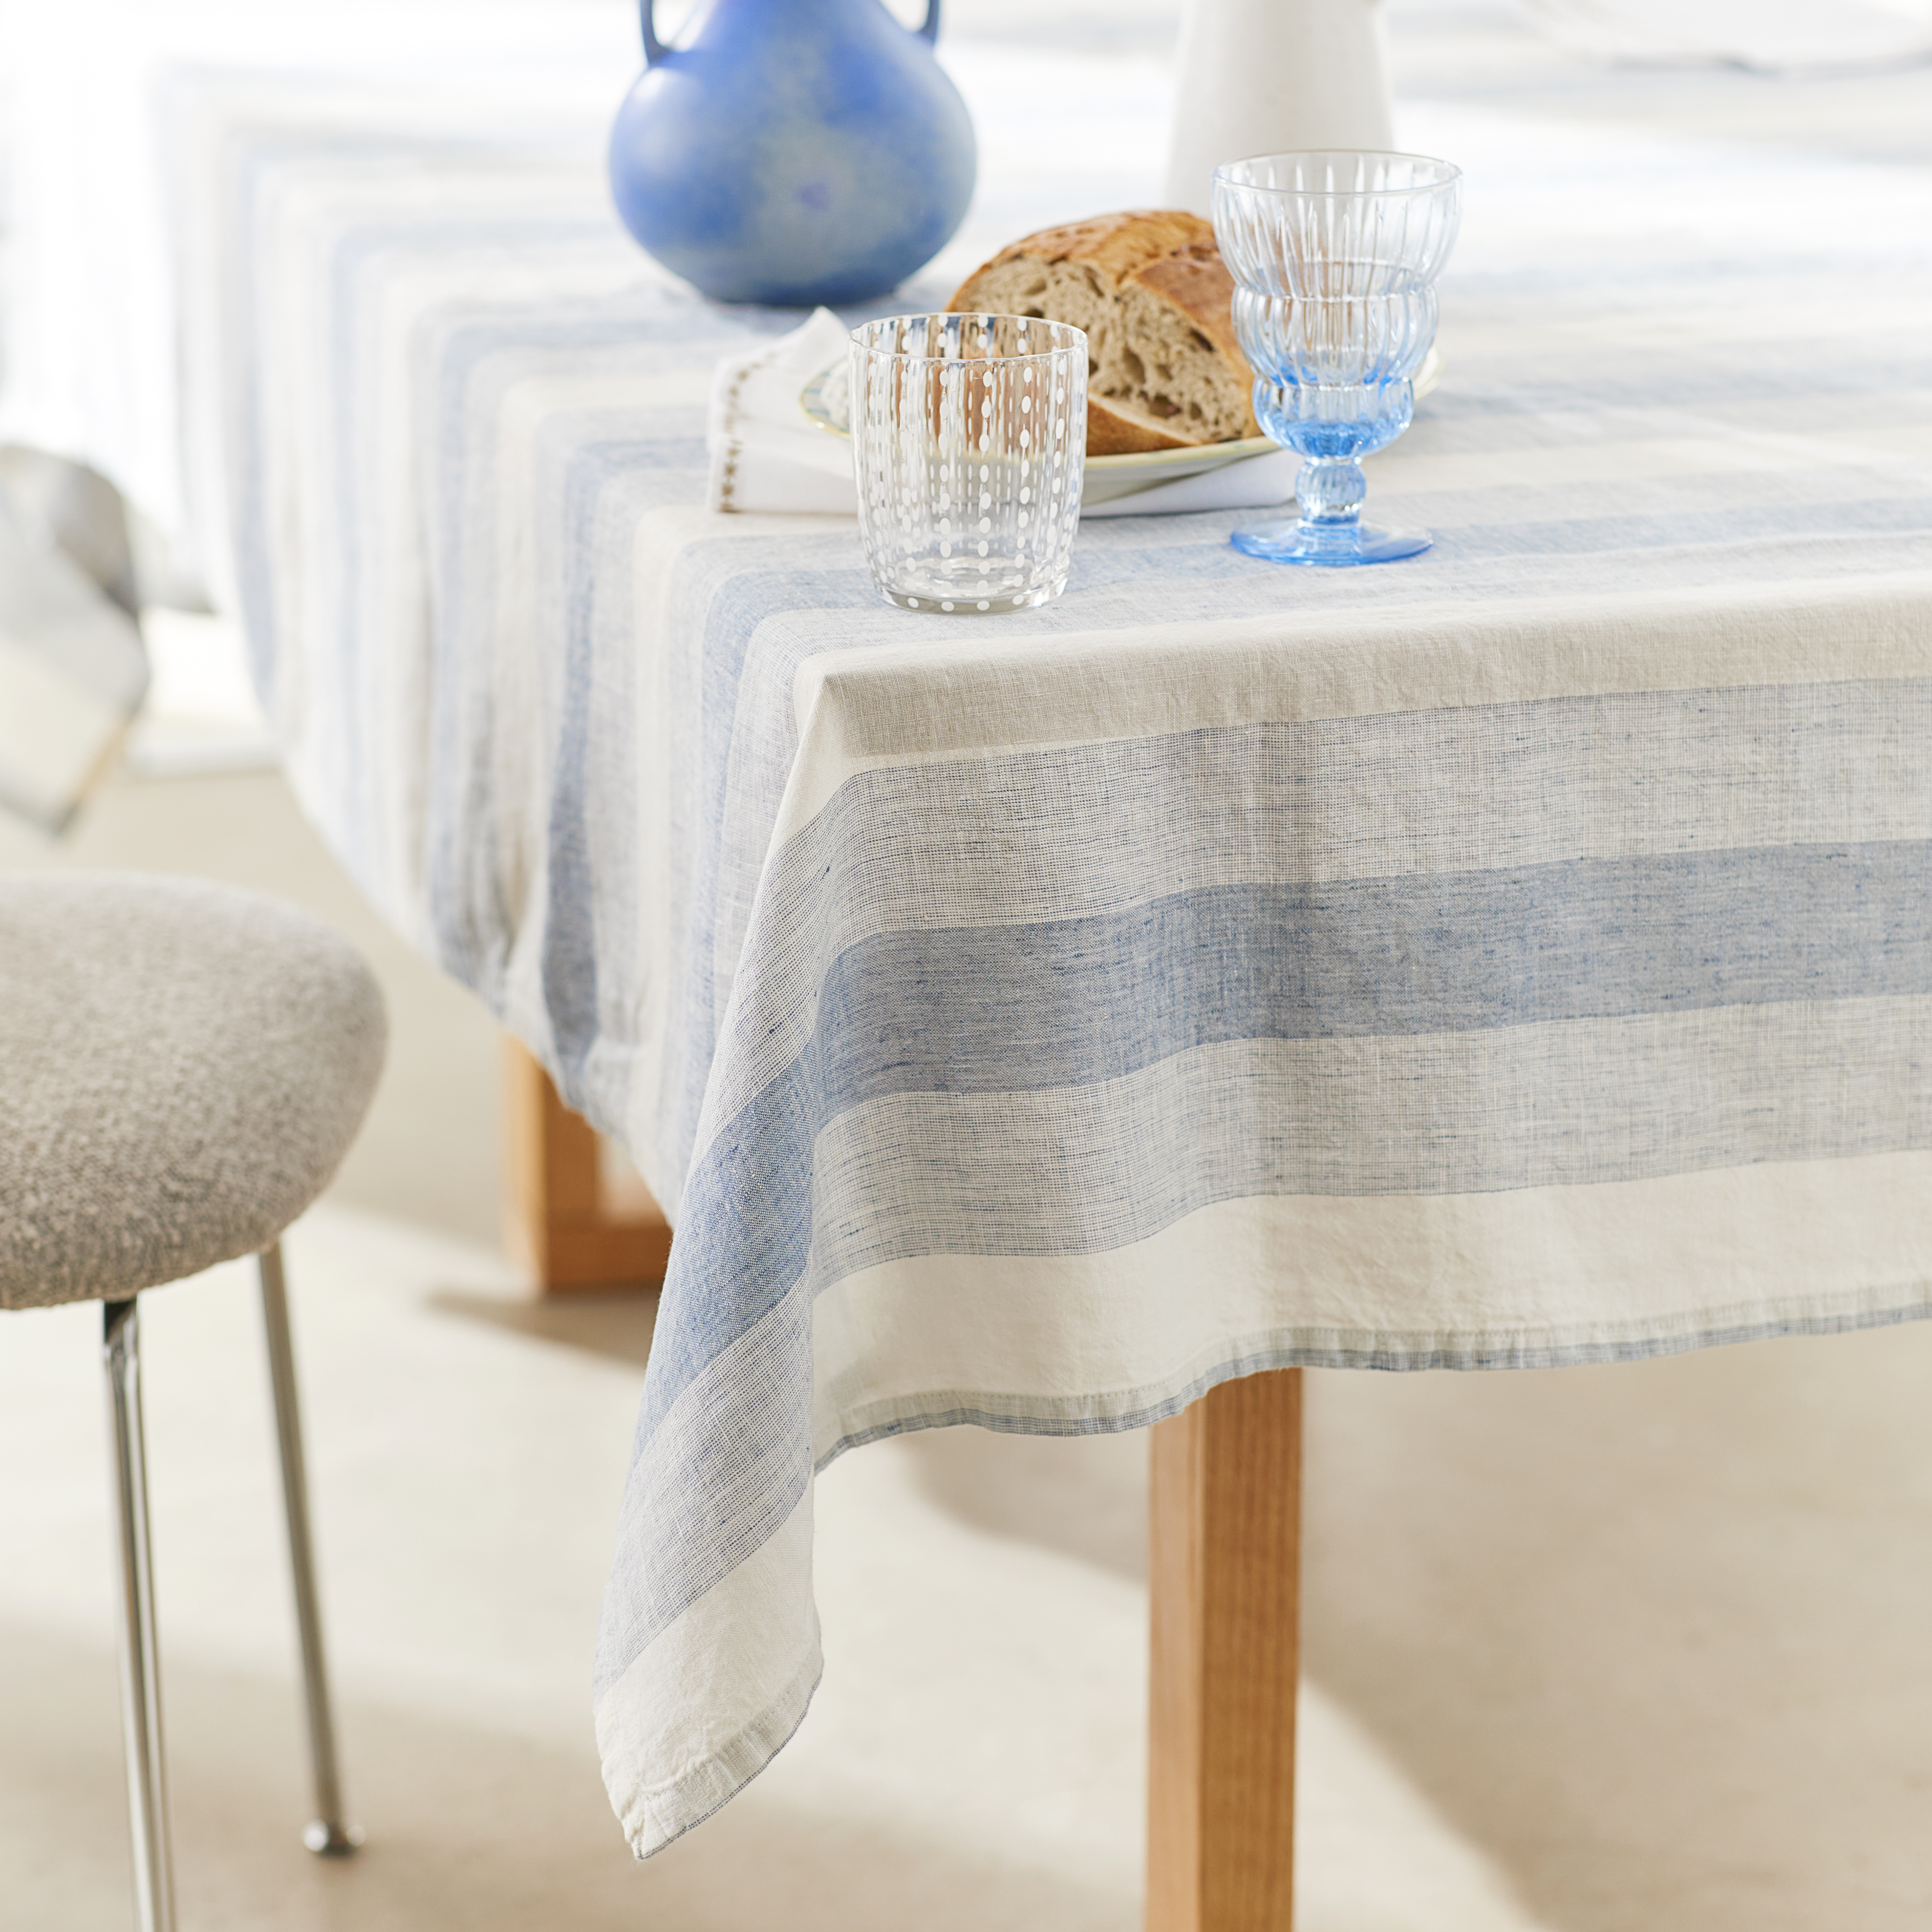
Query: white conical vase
{"points": [[1266, 77]]}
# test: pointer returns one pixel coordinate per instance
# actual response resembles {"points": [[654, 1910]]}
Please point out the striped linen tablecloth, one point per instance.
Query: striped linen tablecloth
{"points": [[1520, 956]]}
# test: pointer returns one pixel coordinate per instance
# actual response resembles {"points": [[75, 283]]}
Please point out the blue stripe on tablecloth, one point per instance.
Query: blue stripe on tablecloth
{"points": [[1454, 789], [1091, 1169], [463, 863], [1067, 1003], [1075, 1003], [251, 508], [587, 984], [729, 622], [734, 1462], [464, 867], [350, 343]]}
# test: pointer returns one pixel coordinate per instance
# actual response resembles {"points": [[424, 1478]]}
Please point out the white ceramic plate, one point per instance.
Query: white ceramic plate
{"points": [[826, 399]]}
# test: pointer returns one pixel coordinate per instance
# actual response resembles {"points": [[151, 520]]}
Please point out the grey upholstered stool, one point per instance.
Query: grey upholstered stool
{"points": [[183, 1067]]}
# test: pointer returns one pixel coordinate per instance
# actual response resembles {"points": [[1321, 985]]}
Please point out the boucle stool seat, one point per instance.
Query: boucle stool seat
{"points": [[182, 1068]]}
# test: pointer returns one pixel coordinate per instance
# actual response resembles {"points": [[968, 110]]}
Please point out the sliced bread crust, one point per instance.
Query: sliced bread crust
{"points": [[1164, 371]]}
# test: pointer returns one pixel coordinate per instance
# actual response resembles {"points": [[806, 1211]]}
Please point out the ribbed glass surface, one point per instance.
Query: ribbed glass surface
{"points": [[1335, 256], [1330, 226], [1347, 340]]}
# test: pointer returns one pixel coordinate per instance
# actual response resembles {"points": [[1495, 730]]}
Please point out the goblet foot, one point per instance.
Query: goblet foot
{"points": [[1336, 546]]}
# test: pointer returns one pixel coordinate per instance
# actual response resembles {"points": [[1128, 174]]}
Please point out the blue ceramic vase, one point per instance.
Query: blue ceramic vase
{"points": [[797, 151]]}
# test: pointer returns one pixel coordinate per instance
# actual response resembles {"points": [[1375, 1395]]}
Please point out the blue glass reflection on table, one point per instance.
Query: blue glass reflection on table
{"points": [[1334, 256]]}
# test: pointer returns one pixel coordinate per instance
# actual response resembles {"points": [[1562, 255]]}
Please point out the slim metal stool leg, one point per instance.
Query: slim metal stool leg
{"points": [[140, 1677], [329, 1834]]}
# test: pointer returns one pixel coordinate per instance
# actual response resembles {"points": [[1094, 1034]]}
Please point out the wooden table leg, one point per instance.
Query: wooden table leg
{"points": [[1224, 1521], [562, 1221]]}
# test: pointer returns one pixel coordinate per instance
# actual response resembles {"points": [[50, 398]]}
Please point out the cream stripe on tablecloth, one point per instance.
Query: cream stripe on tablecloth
{"points": [[1438, 1281], [943, 697]]}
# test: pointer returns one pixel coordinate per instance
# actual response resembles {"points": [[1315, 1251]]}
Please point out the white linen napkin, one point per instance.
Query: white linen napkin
{"points": [[767, 455]]}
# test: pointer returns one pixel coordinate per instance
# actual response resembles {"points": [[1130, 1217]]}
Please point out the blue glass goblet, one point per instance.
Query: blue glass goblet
{"points": [[1334, 256]]}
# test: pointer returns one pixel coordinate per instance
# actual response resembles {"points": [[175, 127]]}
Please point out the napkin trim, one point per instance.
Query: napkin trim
{"points": [[729, 447], [725, 464]]}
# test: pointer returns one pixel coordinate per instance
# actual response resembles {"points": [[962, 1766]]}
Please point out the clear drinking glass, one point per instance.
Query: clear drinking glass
{"points": [[969, 436], [1334, 256]]}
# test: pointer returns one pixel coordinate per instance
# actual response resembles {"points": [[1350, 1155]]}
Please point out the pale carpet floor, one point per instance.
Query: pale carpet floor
{"points": [[1638, 1649]]}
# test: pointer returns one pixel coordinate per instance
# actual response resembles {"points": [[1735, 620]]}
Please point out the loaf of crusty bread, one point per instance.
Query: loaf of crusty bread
{"points": [[1149, 288]]}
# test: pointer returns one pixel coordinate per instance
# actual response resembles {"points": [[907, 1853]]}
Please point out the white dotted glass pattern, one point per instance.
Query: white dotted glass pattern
{"points": [[970, 439]]}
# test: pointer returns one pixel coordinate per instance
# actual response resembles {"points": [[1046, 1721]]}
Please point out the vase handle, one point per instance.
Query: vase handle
{"points": [[654, 50]]}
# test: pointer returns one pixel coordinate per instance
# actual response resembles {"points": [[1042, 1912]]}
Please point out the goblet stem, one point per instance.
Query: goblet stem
{"points": [[1330, 490], [1330, 532]]}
